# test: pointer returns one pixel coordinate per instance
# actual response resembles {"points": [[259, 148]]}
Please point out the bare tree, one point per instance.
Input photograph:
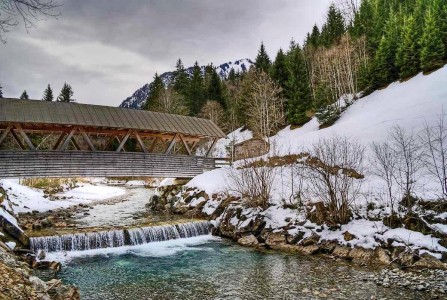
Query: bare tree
{"points": [[349, 9], [27, 11], [434, 140], [213, 111], [408, 163], [169, 101], [334, 175], [265, 113], [383, 165]]}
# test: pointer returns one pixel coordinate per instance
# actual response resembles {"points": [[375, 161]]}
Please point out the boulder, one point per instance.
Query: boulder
{"points": [[275, 238], [311, 249], [382, 256], [361, 255], [311, 240], [428, 261], [341, 251], [249, 240], [348, 236], [293, 239]]}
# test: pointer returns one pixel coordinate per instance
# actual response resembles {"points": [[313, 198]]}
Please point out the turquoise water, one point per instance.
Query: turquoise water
{"points": [[211, 268]]}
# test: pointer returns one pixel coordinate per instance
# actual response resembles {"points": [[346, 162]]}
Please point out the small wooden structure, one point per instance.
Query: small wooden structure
{"points": [[251, 148], [55, 139]]}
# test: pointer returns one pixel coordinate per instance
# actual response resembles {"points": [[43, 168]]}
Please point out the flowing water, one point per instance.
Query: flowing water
{"points": [[207, 267], [117, 238]]}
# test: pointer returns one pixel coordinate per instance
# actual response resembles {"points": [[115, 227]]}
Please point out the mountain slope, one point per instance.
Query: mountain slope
{"points": [[138, 98]]}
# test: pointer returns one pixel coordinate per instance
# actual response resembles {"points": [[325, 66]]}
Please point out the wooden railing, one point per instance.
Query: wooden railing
{"points": [[100, 164]]}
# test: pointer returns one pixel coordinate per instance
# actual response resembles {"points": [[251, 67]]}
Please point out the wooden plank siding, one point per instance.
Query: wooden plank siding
{"points": [[100, 164]]}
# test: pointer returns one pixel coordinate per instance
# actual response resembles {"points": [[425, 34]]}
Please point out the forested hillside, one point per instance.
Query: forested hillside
{"points": [[361, 47]]}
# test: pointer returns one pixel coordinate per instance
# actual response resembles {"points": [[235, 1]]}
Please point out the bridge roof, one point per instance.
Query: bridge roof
{"points": [[77, 114]]}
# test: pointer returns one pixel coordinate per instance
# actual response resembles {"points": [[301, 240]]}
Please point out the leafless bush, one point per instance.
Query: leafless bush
{"points": [[434, 143], [383, 165], [407, 149], [253, 183], [333, 175]]}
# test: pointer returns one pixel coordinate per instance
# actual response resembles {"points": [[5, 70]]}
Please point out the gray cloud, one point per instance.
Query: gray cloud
{"points": [[108, 48]]}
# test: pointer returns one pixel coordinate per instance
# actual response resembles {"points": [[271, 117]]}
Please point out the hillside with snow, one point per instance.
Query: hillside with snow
{"points": [[411, 105], [138, 98]]}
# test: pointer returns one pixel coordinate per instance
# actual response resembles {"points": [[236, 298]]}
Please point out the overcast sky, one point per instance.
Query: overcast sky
{"points": [[106, 49]]}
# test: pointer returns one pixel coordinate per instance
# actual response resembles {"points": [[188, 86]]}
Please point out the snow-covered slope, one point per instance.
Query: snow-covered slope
{"points": [[409, 104], [137, 99]]}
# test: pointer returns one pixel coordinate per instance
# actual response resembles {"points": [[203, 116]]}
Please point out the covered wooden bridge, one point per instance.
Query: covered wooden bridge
{"points": [[55, 139]]}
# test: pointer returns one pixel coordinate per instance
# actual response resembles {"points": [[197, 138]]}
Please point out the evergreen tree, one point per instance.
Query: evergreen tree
{"points": [[48, 94], [279, 70], [385, 69], [297, 89], [215, 88], [262, 61], [1, 91], [314, 37], [408, 52], [180, 79], [196, 97], [24, 95], [66, 94], [155, 89], [440, 7], [432, 46], [334, 27], [232, 76]]}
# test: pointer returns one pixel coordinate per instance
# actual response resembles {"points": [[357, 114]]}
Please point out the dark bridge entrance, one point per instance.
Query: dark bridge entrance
{"points": [[54, 139]]}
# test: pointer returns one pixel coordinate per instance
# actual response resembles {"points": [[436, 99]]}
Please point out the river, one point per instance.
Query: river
{"points": [[212, 268]]}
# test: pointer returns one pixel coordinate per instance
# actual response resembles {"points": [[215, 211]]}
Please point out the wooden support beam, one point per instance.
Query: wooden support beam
{"points": [[87, 139], [154, 143], [18, 141], [211, 147], [171, 144], [185, 144], [24, 136], [140, 141], [120, 147], [75, 144], [194, 144], [59, 140], [43, 141], [5, 133], [68, 139]]}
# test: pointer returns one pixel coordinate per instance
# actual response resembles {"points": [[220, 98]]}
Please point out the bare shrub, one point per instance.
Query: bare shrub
{"points": [[333, 175], [383, 165], [407, 150], [253, 183], [434, 144]]}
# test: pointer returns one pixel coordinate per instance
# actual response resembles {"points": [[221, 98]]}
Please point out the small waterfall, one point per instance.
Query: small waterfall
{"points": [[117, 238]]}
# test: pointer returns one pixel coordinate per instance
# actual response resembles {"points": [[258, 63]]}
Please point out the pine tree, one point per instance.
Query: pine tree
{"points": [[314, 38], [334, 27], [215, 89], [440, 7], [432, 47], [279, 70], [385, 69], [24, 95], [1, 91], [232, 76], [48, 94], [180, 79], [155, 90], [297, 89], [262, 61], [196, 97], [407, 58], [66, 94]]}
